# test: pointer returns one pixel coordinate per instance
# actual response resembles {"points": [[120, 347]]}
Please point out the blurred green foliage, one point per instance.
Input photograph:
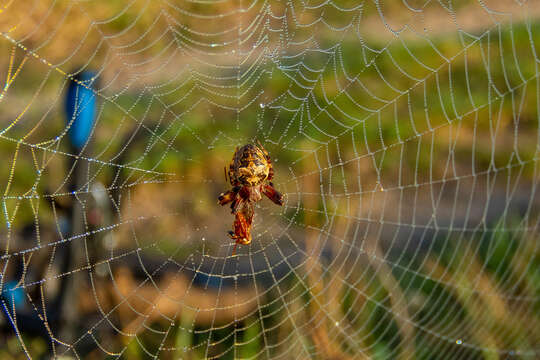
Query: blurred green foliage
{"points": [[474, 284]]}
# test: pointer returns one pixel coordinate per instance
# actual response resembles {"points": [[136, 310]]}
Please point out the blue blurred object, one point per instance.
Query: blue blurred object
{"points": [[13, 295], [81, 108]]}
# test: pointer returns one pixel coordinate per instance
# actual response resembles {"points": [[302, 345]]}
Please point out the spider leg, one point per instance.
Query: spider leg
{"points": [[262, 148], [272, 194], [225, 172], [241, 200], [245, 228], [241, 233], [232, 178], [236, 204], [241, 227], [227, 197], [232, 236], [270, 171]]}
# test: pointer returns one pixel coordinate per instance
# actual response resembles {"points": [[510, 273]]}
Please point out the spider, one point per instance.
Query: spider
{"points": [[250, 174]]}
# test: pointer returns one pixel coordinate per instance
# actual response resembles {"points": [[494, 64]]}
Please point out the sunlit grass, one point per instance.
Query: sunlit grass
{"points": [[479, 290]]}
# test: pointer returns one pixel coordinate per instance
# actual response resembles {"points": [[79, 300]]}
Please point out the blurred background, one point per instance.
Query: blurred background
{"points": [[404, 135]]}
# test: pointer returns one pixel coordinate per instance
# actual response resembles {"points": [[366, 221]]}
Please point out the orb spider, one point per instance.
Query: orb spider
{"points": [[250, 174]]}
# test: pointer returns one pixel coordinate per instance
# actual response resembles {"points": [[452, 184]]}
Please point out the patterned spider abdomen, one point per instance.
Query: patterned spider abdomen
{"points": [[249, 166]]}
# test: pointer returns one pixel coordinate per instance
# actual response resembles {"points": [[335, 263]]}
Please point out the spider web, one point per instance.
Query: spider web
{"points": [[404, 135]]}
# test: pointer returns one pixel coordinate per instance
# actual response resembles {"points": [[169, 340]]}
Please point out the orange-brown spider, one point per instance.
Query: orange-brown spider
{"points": [[250, 173]]}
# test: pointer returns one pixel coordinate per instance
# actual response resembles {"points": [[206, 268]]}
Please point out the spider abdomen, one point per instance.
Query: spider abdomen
{"points": [[249, 166]]}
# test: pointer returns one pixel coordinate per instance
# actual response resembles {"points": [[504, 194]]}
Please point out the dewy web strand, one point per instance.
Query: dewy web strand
{"points": [[341, 270]]}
